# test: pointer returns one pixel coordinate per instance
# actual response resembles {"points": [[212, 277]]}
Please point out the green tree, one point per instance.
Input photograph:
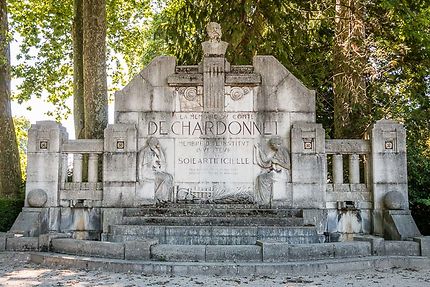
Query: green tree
{"points": [[10, 172], [46, 29], [22, 125]]}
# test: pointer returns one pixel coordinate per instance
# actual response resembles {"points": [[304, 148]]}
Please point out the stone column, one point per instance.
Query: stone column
{"points": [[77, 167], [337, 169], [354, 168], [93, 168], [44, 164]]}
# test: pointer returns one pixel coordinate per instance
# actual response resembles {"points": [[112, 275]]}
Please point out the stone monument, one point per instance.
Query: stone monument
{"points": [[220, 135]]}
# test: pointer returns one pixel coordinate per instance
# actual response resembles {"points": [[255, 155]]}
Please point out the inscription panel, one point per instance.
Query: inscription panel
{"points": [[212, 155]]}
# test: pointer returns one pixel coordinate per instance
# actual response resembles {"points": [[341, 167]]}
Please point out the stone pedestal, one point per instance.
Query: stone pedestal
{"points": [[308, 165], [119, 165], [388, 167], [45, 163]]}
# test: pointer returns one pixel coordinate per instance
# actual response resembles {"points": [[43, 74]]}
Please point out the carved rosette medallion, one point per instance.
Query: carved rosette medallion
{"points": [[237, 93], [189, 93]]}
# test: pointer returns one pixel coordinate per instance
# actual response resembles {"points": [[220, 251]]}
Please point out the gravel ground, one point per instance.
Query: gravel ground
{"points": [[15, 270]]}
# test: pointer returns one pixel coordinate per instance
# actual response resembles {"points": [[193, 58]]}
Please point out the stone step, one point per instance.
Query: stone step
{"points": [[214, 235], [210, 210], [231, 268], [208, 253], [213, 220], [263, 251]]}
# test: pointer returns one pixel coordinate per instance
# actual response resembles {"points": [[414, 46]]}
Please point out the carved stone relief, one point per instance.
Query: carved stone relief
{"points": [[152, 166], [274, 160]]}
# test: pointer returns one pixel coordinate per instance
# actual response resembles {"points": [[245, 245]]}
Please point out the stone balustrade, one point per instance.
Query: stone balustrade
{"points": [[84, 185], [357, 152]]}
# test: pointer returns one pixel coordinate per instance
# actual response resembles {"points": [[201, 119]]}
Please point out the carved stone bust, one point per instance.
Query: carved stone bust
{"points": [[214, 47]]}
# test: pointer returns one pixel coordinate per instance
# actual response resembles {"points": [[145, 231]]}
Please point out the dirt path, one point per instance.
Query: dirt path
{"points": [[15, 270]]}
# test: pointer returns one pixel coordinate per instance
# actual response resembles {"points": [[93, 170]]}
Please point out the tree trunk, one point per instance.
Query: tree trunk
{"points": [[94, 59], [78, 70], [10, 171], [349, 87]]}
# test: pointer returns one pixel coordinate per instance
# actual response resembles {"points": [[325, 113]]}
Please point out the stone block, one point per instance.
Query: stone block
{"points": [[377, 244], [134, 97], [399, 225], [297, 117], [274, 251], [2, 241], [46, 239], [111, 216], [308, 168], [424, 242], [233, 253], [46, 137], [308, 195], [43, 167], [172, 252], [22, 244], [157, 72], [120, 138], [126, 117], [88, 248], [139, 250], [402, 248], [120, 167], [315, 217], [300, 98], [119, 194], [305, 252], [27, 223], [80, 219], [352, 249], [162, 99]]}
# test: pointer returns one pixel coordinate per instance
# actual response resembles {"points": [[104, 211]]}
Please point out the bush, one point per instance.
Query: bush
{"points": [[420, 213], [9, 210]]}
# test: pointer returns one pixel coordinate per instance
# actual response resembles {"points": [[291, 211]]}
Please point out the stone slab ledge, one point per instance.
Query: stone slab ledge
{"points": [[229, 269]]}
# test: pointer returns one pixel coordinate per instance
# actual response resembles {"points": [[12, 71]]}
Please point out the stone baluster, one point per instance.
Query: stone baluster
{"points": [[354, 168], [337, 169], [93, 168], [63, 179], [77, 167]]}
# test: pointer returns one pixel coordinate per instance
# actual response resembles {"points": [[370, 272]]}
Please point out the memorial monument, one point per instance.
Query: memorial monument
{"points": [[215, 154]]}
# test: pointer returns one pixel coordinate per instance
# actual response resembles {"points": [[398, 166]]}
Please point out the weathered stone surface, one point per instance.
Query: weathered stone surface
{"points": [[172, 252], [424, 242], [377, 244], [215, 133], [399, 225], [394, 200], [45, 240], [139, 250], [37, 198], [402, 248], [233, 253], [352, 249], [2, 241], [88, 248], [22, 243]]}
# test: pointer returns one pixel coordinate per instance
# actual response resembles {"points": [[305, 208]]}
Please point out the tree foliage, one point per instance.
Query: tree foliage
{"points": [[298, 33], [396, 51], [45, 64]]}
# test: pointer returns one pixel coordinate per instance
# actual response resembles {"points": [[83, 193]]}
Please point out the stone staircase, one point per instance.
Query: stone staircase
{"points": [[213, 224]]}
